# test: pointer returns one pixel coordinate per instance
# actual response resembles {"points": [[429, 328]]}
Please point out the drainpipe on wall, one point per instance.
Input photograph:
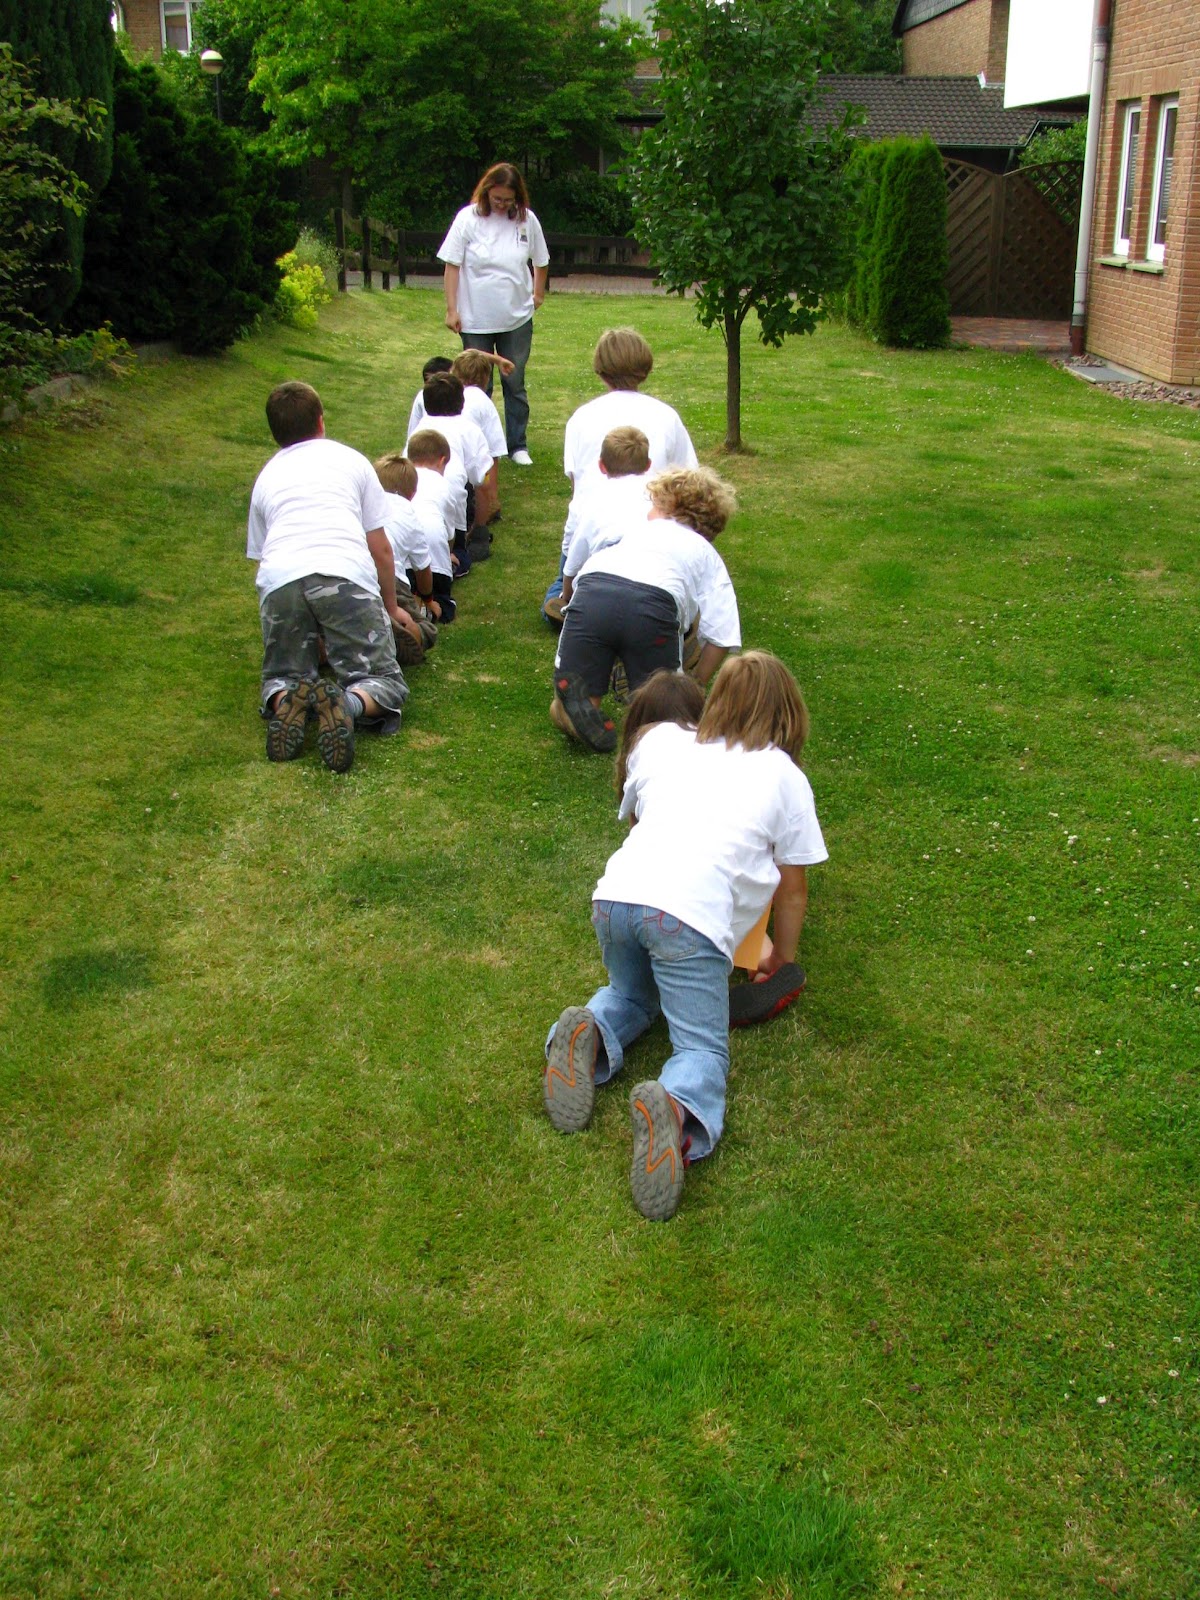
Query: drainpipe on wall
{"points": [[1091, 156]]}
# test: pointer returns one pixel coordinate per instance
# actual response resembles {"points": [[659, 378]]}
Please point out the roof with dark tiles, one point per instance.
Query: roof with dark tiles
{"points": [[957, 113]]}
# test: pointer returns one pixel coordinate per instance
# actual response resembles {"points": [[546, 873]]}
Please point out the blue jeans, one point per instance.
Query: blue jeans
{"points": [[655, 962], [515, 347]]}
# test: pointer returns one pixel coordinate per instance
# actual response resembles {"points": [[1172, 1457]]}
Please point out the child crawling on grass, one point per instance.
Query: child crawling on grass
{"points": [[725, 826]]}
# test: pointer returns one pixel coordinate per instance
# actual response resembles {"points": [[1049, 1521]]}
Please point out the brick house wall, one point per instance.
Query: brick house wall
{"points": [[954, 44], [1144, 314], [144, 26], [970, 39]]}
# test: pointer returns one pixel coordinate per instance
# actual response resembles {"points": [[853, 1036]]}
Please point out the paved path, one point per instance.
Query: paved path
{"points": [[1013, 333]]}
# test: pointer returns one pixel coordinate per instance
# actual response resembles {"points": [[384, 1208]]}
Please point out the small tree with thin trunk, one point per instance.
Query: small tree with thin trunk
{"points": [[734, 192]]}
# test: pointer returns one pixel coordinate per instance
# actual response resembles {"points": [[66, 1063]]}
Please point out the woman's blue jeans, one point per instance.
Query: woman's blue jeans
{"points": [[655, 962], [514, 347]]}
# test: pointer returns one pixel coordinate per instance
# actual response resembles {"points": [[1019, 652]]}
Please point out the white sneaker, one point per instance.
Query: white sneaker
{"points": [[521, 458]]}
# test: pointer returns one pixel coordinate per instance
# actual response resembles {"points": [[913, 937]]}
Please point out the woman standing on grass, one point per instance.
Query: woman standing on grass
{"points": [[490, 295]]}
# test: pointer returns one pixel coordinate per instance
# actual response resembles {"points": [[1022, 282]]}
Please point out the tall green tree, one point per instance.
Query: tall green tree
{"points": [[734, 192], [68, 47], [410, 99]]}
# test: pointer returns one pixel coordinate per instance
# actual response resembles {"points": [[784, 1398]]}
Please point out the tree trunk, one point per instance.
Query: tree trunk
{"points": [[733, 381]]}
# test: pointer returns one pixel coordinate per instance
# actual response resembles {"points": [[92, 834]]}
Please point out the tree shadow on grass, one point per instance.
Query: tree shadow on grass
{"points": [[83, 977]]}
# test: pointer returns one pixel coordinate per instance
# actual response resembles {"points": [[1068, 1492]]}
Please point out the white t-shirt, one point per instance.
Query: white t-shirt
{"points": [[470, 459], [669, 556], [311, 507], [431, 503], [410, 545], [670, 445], [495, 287], [616, 506], [477, 406], [715, 824]]}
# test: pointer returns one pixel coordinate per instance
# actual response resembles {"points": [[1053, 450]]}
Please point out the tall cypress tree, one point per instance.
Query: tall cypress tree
{"points": [[69, 46]]}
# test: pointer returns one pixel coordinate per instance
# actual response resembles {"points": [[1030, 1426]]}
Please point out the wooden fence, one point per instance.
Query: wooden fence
{"points": [[367, 246], [1012, 239]]}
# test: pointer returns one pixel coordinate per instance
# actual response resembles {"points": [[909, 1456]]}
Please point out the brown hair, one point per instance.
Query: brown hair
{"points": [[294, 413], [665, 696], [755, 702], [622, 358], [427, 447], [443, 395], [695, 496], [625, 452], [474, 368], [397, 474], [502, 176]]}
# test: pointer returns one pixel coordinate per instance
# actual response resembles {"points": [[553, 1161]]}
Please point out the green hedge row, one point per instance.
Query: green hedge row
{"points": [[897, 292]]}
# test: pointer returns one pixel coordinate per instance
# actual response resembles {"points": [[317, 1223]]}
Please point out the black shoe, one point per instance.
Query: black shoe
{"points": [[593, 727]]}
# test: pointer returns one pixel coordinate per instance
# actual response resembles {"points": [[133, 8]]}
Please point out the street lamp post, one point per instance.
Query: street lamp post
{"points": [[212, 61]]}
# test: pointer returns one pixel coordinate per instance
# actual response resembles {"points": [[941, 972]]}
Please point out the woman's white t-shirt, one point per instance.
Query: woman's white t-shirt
{"points": [[714, 825], [495, 287]]}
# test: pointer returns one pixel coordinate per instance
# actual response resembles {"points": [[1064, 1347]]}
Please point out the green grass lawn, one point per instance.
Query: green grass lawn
{"points": [[300, 1293]]}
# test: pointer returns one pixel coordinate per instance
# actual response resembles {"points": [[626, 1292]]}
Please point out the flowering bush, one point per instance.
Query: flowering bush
{"points": [[302, 290]]}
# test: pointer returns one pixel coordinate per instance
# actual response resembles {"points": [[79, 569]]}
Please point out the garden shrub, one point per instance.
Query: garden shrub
{"points": [[908, 302], [303, 288], [183, 243], [863, 175]]}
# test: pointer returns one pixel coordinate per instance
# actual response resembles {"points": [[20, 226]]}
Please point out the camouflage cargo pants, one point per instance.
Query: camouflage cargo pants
{"points": [[357, 632]]}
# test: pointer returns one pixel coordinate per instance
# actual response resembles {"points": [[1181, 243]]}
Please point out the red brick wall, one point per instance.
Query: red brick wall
{"points": [[954, 44], [144, 26], [1150, 321]]}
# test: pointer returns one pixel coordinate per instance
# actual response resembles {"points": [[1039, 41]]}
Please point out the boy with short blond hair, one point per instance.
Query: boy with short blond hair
{"points": [[619, 504], [429, 452], [410, 548]]}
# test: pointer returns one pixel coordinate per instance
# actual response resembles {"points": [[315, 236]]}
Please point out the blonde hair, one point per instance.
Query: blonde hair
{"points": [[427, 447], [665, 696], [755, 702], [622, 358], [625, 452], [473, 368], [397, 474], [695, 496]]}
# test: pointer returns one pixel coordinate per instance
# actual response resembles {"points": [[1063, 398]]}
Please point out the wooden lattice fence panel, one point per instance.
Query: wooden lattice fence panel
{"points": [[1012, 239], [971, 201]]}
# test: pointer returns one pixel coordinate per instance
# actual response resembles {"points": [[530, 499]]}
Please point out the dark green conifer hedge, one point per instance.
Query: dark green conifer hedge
{"points": [[68, 46], [183, 242], [898, 291]]}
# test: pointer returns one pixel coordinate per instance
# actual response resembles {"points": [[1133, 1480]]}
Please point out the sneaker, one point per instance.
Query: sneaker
{"points": [[521, 458], [552, 610], [480, 545], [618, 684], [335, 726], [656, 1175], [560, 719], [569, 1081], [759, 1002], [591, 725], [286, 725]]}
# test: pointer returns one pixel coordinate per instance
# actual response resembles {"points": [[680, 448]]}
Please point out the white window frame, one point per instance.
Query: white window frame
{"points": [[187, 9], [1156, 248], [1126, 190]]}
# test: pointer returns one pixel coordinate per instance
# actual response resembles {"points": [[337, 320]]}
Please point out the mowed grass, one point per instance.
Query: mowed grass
{"points": [[300, 1293]]}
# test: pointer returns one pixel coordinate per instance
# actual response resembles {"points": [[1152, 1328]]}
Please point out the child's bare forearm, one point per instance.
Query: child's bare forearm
{"points": [[789, 907]]}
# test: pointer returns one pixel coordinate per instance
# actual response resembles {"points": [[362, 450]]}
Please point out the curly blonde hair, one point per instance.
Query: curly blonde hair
{"points": [[695, 496]]}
